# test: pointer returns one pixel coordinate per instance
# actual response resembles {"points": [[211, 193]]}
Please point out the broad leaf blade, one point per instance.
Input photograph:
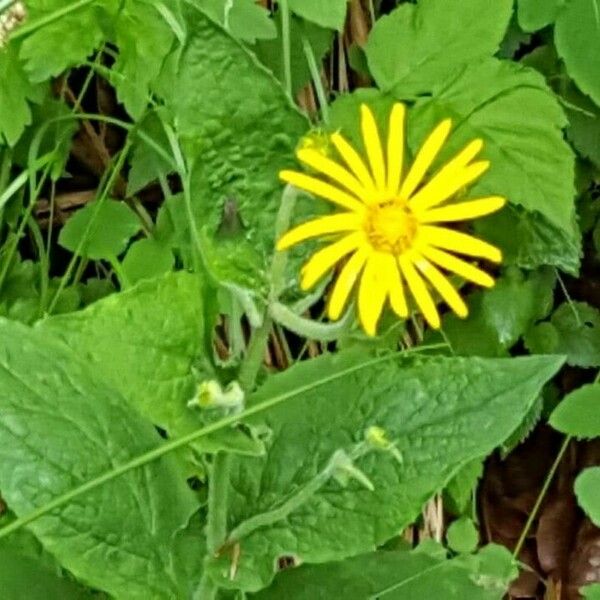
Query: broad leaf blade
{"points": [[416, 46], [399, 575], [578, 414], [438, 424], [62, 426]]}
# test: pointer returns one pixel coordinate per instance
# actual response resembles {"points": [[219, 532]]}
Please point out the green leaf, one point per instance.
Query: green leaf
{"points": [[578, 414], [500, 316], [67, 41], [62, 426], [24, 577], [285, 504], [536, 14], [330, 14], [528, 240], [499, 101], [517, 301], [577, 38], [399, 575], [574, 329], [462, 536], [244, 19], [146, 259], [15, 93], [459, 491], [241, 130], [270, 54], [144, 343], [147, 165], [591, 592], [100, 230], [416, 46], [587, 490], [140, 56]]}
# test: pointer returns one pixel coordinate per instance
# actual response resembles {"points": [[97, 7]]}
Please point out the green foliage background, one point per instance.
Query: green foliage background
{"points": [[116, 478]]}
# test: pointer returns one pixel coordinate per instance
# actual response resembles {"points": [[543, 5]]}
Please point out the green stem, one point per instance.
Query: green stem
{"points": [[541, 496], [78, 251], [316, 77], [255, 355], [120, 273], [285, 37]]}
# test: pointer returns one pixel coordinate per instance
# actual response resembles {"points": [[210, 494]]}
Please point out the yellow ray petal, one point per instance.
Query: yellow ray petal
{"points": [[446, 184], [395, 287], [318, 227], [324, 190], [395, 148], [463, 210], [419, 290], [458, 266], [425, 158], [323, 260], [353, 160], [345, 282], [373, 146], [456, 241], [328, 167], [372, 293], [443, 286]]}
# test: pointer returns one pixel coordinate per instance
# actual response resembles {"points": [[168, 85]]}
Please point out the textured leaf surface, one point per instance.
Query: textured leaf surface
{"points": [[577, 37], [326, 13], [416, 46], [399, 575], [242, 130], [579, 413], [100, 230], [535, 14], [587, 489], [513, 111], [143, 342], [438, 424], [61, 426]]}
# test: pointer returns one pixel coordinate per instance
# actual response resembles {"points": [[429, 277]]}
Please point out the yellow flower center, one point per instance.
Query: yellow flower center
{"points": [[391, 226]]}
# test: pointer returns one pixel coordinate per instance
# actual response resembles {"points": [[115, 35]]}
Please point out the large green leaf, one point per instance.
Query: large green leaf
{"points": [[241, 130], [535, 14], [281, 505], [577, 37], [61, 425], [400, 575], [512, 109], [144, 342], [415, 46]]}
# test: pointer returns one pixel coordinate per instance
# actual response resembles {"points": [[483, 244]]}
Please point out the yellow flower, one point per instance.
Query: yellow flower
{"points": [[390, 230]]}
